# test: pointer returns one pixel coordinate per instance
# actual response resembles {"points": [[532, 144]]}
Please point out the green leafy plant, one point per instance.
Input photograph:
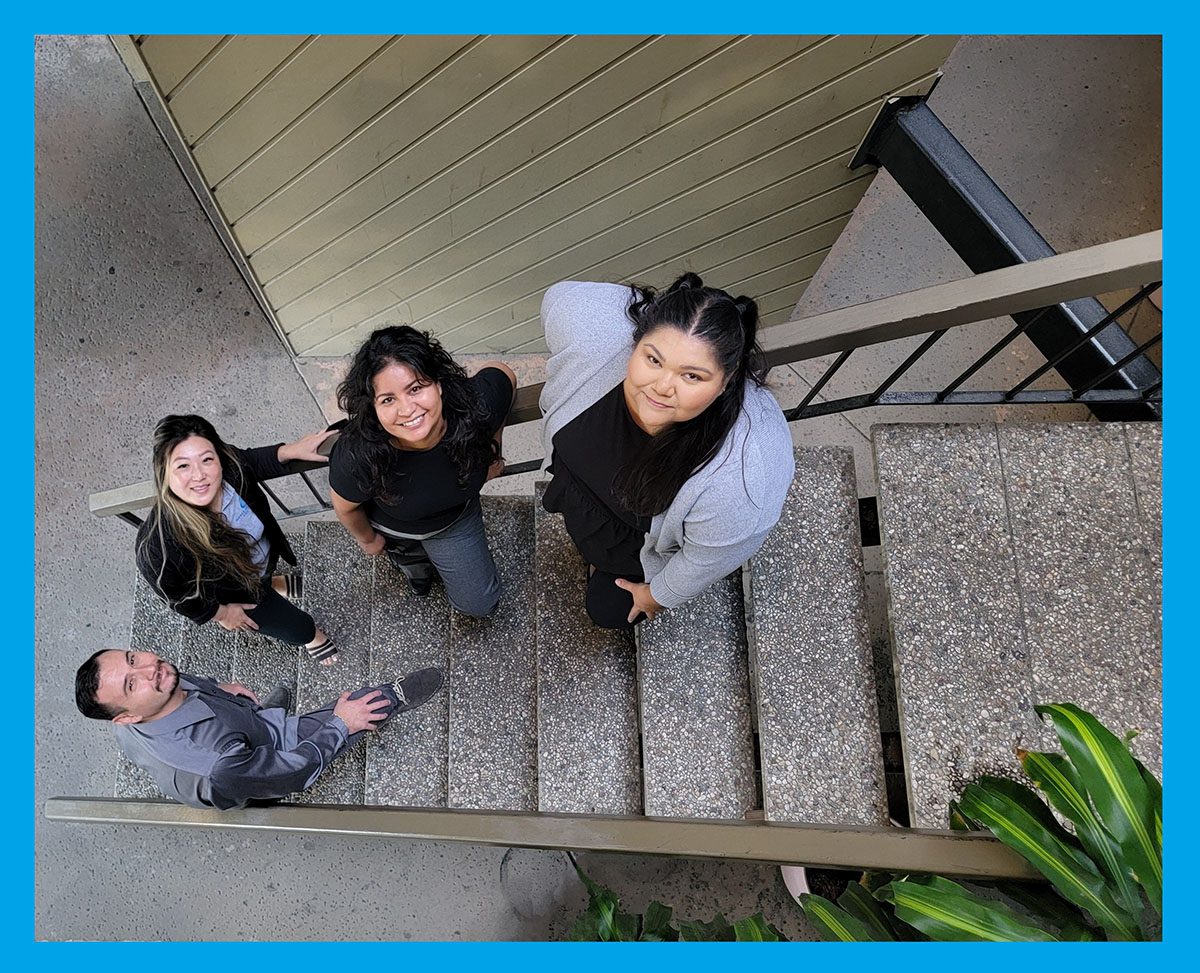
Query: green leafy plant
{"points": [[604, 921], [1105, 874]]}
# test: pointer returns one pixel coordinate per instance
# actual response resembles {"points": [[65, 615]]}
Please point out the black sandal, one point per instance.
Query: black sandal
{"points": [[319, 653]]}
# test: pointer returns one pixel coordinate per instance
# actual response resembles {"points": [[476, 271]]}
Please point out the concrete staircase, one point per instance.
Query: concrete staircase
{"points": [[1021, 565], [543, 711]]}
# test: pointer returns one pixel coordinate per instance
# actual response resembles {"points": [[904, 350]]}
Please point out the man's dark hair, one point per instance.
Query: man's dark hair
{"points": [[87, 683]]}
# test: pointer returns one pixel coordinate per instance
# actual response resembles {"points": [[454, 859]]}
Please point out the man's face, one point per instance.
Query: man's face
{"points": [[139, 685]]}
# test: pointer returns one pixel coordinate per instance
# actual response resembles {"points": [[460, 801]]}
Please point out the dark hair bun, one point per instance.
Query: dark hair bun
{"points": [[685, 281]]}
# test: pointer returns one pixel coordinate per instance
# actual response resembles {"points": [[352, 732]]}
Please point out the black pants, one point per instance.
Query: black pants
{"points": [[278, 618], [609, 606]]}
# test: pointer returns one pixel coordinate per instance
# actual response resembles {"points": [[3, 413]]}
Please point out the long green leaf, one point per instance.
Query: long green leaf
{"points": [[1015, 815], [1116, 788], [834, 923], [756, 929], [656, 924], [1154, 789], [1041, 901], [603, 920], [1055, 776], [857, 901], [959, 821], [716, 931], [947, 912]]}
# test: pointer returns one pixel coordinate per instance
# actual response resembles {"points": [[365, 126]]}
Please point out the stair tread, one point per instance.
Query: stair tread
{"points": [[1094, 617], [588, 752], [697, 744], [261, 663], [493, 721], [406, 765], [818, 718], [1017, 573], [338, 589]]}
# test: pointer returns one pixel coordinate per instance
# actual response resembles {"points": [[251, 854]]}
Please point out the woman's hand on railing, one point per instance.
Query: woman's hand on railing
{"points": [[496, 469], [233, 618], [305, 448], [374, 546]]}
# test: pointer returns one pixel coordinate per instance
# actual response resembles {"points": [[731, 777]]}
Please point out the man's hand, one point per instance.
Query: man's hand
{"points": [[643, 601], [374, 546], [362, 713], [233, 618], [237, 689]]}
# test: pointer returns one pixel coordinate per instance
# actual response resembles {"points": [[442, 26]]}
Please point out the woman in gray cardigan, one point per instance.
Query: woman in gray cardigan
{"points": [[670, 461]]}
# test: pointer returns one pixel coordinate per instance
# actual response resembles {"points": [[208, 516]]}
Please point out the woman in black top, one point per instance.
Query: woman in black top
{"points": [[210, 544], [421, 441]]}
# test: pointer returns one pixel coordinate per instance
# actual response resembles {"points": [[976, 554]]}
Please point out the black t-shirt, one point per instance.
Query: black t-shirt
{"points": [[588, 451], [423, 484]]}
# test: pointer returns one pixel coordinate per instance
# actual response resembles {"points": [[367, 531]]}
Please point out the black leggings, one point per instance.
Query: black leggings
{"points": [[607, 605], [280, 619]]}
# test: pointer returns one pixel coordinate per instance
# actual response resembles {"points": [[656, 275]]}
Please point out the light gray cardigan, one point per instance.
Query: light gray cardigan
{"points": [[722, 514]]}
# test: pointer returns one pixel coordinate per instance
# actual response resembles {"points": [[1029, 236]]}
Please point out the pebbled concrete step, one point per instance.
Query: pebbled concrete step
{"points": [[261, 663], [493, 692], [1021, 568], [697, 741], [811, 657], [406, 765], [589, 760], [1085, 501], [338, 592]]}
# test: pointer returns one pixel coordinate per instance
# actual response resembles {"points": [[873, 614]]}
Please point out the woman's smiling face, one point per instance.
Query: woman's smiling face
{"points": [[671, 377], [408, 407], [194, 472]]}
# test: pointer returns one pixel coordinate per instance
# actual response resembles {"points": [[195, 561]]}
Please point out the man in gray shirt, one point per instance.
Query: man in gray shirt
{"points": [[212, 744]]}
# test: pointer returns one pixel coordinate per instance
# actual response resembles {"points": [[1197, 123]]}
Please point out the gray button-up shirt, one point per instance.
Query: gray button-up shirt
{"points": [[221, 750]]}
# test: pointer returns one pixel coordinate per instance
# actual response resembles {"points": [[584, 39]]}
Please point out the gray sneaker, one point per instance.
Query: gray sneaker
{"points": [[280, 696], [417, 687]]}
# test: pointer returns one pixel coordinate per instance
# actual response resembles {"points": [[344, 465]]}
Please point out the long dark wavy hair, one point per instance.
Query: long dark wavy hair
{"points": [[652, 477], [218, 550], [467, 439]]}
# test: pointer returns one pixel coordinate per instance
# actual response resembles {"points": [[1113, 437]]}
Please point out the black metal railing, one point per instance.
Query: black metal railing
{"points": [[1094, 390]]}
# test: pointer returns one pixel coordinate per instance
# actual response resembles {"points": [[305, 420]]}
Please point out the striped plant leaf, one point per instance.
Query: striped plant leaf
{"points": [[959, 821], [756, 929], [1154, 788], [1051, 909], [834, 923], [1015, 815], [656, 924], [857, 901], [1116, 788], [1057, 779], [947, 912]]}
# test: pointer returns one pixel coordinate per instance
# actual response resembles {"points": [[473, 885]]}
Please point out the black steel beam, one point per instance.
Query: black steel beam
{"points": [[988, 232]]}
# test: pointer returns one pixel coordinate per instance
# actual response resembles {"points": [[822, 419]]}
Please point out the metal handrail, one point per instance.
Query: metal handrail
{"points": [[974, 854]]}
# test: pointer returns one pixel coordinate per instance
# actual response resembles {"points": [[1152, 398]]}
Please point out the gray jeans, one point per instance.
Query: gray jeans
{"points": [[460, 555]]}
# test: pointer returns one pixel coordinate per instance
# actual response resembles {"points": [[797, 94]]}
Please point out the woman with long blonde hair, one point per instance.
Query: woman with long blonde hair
{"points": [[210, 544]]}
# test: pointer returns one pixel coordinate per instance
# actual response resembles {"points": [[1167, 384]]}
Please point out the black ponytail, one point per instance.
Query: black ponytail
{"points": [[729, 325]]}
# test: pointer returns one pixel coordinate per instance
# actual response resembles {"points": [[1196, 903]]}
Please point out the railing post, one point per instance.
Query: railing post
{"points": [[988, 232]]}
